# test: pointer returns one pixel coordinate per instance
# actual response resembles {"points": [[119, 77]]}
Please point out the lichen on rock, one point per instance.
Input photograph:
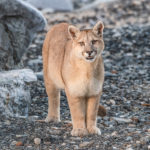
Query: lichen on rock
{"points": [[15, 93]]}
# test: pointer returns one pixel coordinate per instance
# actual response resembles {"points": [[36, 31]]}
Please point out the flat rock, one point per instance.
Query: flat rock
{"points": [[14, 91], [86, 144], [122, 120], [109, 74]]}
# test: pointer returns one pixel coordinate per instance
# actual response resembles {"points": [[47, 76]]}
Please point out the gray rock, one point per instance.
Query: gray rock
{"points": [[129, 138], [86, 144], [14, 91], [35, 64], [122, 120], [39, 75], [19, 22], [58, 5], [109, 74], [37, 141]]}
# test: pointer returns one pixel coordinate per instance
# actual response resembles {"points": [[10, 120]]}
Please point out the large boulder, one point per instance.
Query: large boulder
{"points": [[56, 5], [18, 23], [15, 92]]}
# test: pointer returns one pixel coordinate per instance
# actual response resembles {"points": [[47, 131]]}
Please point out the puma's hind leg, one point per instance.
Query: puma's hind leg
{"points": [[53, 102]]}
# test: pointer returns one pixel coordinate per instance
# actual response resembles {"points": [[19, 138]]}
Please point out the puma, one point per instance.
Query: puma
{"points": [[72, 61]]}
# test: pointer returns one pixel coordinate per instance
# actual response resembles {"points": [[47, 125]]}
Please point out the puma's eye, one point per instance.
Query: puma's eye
{"points": [[82, 43], [94, 41]]}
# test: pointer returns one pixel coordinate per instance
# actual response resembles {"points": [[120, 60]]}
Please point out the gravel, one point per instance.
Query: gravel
{"points": [[126, 89]]}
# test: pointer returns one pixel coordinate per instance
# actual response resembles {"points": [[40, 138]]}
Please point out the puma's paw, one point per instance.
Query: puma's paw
{"points": [[52, 119], [79, 132], [94, 130]]}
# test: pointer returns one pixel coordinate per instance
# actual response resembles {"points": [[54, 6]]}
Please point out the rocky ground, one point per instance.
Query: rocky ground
{"points": [[126, 94]]}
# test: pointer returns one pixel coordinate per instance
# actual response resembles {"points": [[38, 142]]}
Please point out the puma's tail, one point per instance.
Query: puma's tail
{"points": [[101, 111]]}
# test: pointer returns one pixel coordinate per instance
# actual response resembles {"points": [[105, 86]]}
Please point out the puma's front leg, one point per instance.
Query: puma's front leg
{"points": [[92, 109], [78, 113]]}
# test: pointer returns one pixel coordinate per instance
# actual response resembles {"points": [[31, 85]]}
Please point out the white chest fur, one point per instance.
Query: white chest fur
{"points": [[82, 86]]}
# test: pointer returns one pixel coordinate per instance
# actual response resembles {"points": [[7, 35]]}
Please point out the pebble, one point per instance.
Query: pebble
{"points": [[13, 143], [122, 120], [129, 148], [63, 144], [76, 138], [7, 122], [114, 148], [132, 125], [18, 136], [37, 141], [114, 133], [112, 101], [30, 147], [19, 143], [55, 132], [33, 118], [85, 144], [148, 130], [109, 74], [135, 119], [129, 138], [116, 35], [138, 142], [76, 147]]}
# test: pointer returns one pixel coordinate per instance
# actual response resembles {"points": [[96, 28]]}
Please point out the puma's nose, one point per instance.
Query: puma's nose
{"points": [[90, 53]]}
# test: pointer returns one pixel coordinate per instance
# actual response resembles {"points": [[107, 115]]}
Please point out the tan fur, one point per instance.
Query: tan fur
{"points": [[72, 62]]}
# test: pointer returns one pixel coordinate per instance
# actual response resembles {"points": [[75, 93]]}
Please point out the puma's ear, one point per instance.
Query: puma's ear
{"points": [[73, 31], [98, 29]]}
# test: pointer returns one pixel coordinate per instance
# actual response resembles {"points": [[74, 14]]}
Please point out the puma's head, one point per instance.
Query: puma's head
{"points": [[87, 44]]}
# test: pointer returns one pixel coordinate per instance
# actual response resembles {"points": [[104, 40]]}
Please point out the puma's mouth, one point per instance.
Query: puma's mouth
{"points": [[90, 58], [90, 55]]}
